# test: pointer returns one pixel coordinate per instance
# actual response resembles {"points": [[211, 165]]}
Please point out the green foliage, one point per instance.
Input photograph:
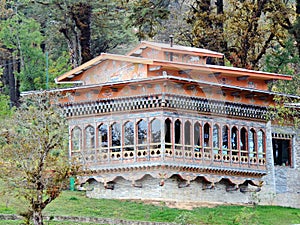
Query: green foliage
{"points": [[285, 111], [145, 16], [246, 217], [33, 154], [242, 30], [285, 61], [22, 36], [5, 109]]}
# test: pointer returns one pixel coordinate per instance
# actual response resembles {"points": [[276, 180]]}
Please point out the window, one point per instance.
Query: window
{"points": [[187, 135], [197, 137], [234, 134], [76, 139], [142, 128], [129, 136], [103, 136], [168, 133], [251, 139], [89, 137], [155, 133], [282, 151], [225, 135], [243, 142], [116, 137], [216, 136], [206, 135], [260, 143], [177, 131]]}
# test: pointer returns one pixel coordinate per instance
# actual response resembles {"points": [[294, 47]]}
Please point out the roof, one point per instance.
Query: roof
{"points": [[174, 78], [213, 69], [177, 49]]}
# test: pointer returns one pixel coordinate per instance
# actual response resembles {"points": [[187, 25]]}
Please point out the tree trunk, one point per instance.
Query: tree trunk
{"points": [[81, 14], [37, 217], [11, 66]]}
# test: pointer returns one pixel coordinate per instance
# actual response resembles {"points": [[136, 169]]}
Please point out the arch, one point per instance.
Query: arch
{"points": [[225, 137], [115, 133], [168, 133], [142, 132], [260, 143], [128, 136], [187, 133], [252, 142], [244, 142], [206, 135], [216, 136], [197, 136], [89, 141], [243, 139], [76, 139], [178, 132], [234, 138], [103, 136], [155, 133]]}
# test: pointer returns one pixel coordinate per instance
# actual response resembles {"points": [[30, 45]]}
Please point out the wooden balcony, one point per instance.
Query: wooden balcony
{"points": [[181, 155]]}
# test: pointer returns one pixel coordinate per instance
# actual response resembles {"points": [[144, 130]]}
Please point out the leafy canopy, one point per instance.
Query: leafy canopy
{"points": [[33, 153]]}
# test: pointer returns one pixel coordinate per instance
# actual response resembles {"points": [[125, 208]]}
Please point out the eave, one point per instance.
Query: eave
{"points": [[222, 70], [71, 76], [175, 79]]}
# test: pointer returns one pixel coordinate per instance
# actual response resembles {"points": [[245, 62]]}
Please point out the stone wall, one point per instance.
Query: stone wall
{"points": [[282, 183], [173, 189]]}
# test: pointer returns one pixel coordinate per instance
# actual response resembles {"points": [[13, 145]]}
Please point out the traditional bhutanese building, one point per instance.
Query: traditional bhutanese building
{"points": [[162, 123]]}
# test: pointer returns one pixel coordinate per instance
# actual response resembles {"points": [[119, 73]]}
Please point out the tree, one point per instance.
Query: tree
{"points": [[146, 16], [4, 102], [285, 61], [243, 30], [22, 36], [290, 20], [87, 28], [33, 153]]}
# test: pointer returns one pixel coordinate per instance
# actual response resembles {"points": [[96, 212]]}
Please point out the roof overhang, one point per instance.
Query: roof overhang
{"points": [[216, 70]]}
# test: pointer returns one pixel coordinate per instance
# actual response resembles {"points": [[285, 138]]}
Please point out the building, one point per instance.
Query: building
{"points": [[161, 123]]}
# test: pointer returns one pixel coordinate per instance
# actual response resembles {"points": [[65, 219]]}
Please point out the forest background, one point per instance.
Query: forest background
{"points": [[42, 39]]}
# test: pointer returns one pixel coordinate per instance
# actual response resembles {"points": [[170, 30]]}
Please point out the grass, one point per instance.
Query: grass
{"points": [[76, 204]]}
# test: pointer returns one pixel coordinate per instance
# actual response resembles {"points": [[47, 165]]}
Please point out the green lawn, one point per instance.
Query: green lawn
{"points": [[76, 204]]}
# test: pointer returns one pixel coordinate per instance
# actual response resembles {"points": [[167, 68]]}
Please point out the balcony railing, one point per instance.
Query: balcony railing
{"points": [[181, 154]]}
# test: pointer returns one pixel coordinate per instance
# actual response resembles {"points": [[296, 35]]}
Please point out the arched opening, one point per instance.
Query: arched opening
{"points": [[89, 137], [244, 142], [142, 135], [103, 136], [197, 137], [76, 140], [128, 138], [260, 144], [206, 136], [234, 140], [115, 137], [252, 141], [225, 139], [187, 137], [168, 135], [178, 132], [155, 134], [216, 138]]}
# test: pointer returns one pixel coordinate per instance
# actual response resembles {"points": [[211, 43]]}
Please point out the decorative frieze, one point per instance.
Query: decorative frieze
{"points": [[166, 101]]}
